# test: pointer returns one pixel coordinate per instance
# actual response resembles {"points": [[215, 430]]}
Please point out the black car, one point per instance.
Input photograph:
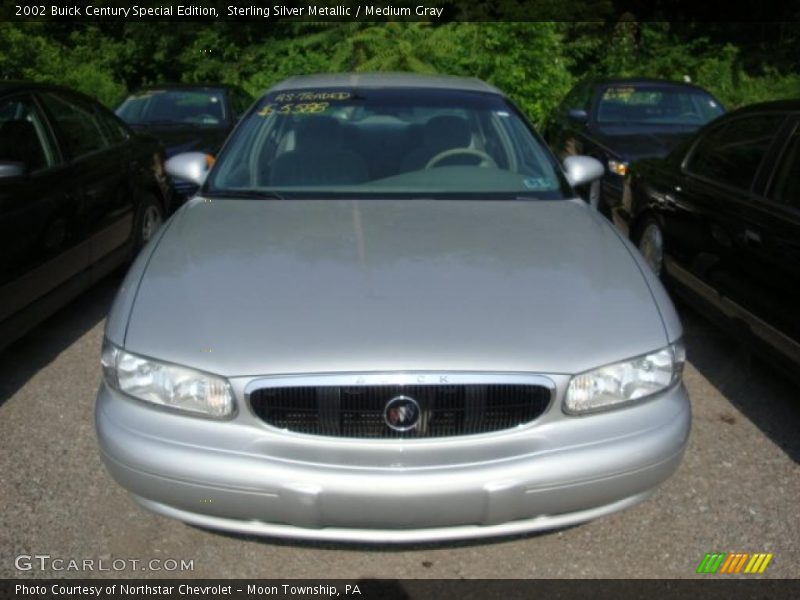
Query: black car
{"points": [[620, 120], [719, 220], [79, 194], [186, 118]]}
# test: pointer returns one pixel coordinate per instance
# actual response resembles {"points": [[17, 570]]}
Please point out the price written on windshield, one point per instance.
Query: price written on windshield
{"points": [[301, 108]]}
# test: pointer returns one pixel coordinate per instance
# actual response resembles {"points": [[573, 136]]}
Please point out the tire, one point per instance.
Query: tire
{"points": [[149, 218], [651, 244]]}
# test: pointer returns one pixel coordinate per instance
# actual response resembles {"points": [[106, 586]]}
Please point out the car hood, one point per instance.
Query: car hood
{"points": [[647, 144], [177, 138], [254, 287]]}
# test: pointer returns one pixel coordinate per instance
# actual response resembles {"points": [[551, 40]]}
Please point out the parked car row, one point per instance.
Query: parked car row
{"points": [[411, 329], [714, 213], [711, 201]]}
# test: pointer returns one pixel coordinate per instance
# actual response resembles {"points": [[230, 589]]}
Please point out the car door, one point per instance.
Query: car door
{"points": [[731, 232], [42, 242], [100, 165], [771, 234]]}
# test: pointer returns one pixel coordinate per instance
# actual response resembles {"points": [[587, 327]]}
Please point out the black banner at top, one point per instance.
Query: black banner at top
{"points": [[89, 11]]}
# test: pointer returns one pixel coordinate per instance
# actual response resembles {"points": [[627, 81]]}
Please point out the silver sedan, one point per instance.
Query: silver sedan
{"points": [[386, 316]]}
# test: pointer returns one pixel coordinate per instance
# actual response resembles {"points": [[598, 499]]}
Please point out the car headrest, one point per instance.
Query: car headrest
{"points": [[447, 132], [314, 132]]}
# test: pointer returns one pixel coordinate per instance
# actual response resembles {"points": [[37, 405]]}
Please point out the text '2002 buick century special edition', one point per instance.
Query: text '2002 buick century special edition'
{"points": [[386, 316]]}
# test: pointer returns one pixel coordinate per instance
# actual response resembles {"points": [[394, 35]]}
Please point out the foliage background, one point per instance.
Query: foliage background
{"points": [[534, 62]]}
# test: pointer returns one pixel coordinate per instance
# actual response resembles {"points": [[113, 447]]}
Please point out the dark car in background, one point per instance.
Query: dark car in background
{"points": [[621, 120], [79, 194], [719, 220], [186, 118]]}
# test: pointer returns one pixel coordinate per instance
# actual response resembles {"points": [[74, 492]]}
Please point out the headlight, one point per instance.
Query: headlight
{"points": [[626, 381], [166, 385], [618, 167]]}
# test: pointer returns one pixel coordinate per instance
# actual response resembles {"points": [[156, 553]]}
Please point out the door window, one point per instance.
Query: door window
{"points": [[732, 152], [78, 123], [23, 135], [577, 98], [114, 129], [786, 185]]}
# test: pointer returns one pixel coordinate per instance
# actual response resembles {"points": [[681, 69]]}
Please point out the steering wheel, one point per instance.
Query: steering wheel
{"points": [[486, 160]]}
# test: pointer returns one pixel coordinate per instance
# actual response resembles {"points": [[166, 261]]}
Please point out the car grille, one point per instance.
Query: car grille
{"points": [[359, 411]]}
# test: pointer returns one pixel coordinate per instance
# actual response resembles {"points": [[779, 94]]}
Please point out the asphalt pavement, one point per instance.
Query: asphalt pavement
{"points": [[737, 490]]}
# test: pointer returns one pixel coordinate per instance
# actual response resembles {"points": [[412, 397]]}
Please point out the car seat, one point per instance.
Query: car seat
{"points": [[319, 157], [440, 134]]}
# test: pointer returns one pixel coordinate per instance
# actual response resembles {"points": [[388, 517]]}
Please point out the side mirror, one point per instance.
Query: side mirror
{"points": [[581, 170], [9, 168], [578, 116], [190, 166]]}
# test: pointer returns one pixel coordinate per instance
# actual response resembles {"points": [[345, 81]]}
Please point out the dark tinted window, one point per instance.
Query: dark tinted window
{"points": [[732, 153], [115, 130], [578, 97], [656, 105], [786, 186], [77, 123], [196, 107], [23, 135]]}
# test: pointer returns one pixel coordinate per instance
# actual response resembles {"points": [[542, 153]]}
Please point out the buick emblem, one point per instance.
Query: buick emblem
{"points": [[401, 413]]}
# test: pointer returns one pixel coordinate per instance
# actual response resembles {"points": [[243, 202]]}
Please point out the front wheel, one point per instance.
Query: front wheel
{"points": [[149, 219], [651, 245]]}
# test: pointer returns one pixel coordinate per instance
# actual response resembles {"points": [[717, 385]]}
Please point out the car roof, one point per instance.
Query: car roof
{"points": [[9, 85], [653, 81], [385, 80], [186, 86]]}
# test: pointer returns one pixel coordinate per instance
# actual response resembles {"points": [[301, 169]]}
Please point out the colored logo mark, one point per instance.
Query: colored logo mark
{"points": [[734, 562]]}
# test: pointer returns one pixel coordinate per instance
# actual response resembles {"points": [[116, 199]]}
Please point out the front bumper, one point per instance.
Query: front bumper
{"points": [[241, 476]]}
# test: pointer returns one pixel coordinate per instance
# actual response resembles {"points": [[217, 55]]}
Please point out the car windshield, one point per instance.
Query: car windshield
{"points": [[195, 107], [385, 143], [656, 105]]}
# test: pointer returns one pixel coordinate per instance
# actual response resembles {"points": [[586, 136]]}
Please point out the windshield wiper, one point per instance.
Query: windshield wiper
{"points": [[249, 194]]}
